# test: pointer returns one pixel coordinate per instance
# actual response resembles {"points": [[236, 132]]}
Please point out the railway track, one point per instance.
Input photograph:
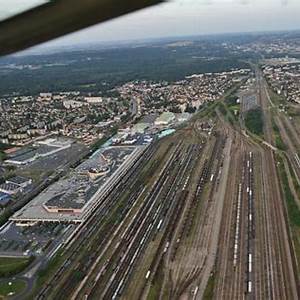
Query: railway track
{"points": [[283, 281], [92, 224], [180, 279], [175, 220], [162, 210], [255, 259], [232, 256], [151, 219]]}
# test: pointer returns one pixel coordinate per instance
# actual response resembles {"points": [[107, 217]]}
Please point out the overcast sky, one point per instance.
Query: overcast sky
{"points": [[11, 7], [190, 17]]}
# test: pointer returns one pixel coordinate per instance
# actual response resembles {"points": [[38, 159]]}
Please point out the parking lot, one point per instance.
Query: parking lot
{"points": [[26, 241], [50, 163]]}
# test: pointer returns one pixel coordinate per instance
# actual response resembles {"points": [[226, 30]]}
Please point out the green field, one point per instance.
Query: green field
{"points": [[11, 286], [278, 140], [13, 265], [254, 121]]}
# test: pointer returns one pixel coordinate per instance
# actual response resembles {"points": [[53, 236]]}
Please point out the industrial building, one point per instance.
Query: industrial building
{"points": [[165, 119], [183, 117], [72, 198], [139, 128], [15, 185], [10, 188], [19, 180]]}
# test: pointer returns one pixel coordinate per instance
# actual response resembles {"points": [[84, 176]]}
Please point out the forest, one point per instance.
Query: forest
{"points": [[103, 69]]}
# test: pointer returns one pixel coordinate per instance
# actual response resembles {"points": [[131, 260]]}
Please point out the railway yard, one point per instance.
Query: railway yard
{"points": [[260, 260], [199, 214], [183, 170], [204, 205]]}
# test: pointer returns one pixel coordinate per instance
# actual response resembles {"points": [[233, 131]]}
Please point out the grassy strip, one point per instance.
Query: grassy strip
{"points": [[209, 290], [278, 140], [292, 207], [5, 216], [156, 284], [294, 179], [293, 210], [208, 108], [275, 98], [11, 287], [10, 266], [205, 110], [279, 143], [227, 113], [2, 155], [49, 269]]}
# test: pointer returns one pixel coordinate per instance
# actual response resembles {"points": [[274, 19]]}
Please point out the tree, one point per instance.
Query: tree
{"points": [[190, 109]]}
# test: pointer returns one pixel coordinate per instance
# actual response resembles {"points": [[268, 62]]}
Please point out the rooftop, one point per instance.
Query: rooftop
{"points": [[19, 180], [165, 117], [9, 187], [71, 197]]}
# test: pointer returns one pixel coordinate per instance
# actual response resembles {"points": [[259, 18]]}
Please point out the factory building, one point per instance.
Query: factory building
{"points": [[74, 197], [139, 128]]}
